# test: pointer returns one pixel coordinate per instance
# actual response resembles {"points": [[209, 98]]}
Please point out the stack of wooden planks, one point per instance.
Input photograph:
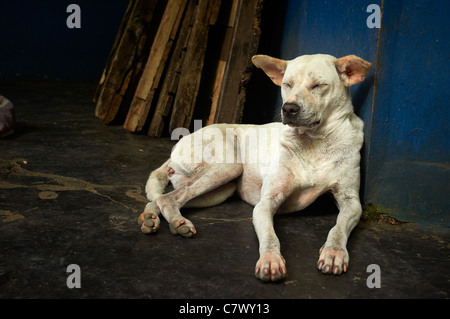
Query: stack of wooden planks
{"points": [[176, 59]]}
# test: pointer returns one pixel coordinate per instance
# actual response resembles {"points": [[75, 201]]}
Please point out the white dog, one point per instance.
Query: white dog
{"points": [[316, 149]]}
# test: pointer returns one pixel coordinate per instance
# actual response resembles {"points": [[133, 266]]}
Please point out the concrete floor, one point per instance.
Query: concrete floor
{"points": [[71, 189]]}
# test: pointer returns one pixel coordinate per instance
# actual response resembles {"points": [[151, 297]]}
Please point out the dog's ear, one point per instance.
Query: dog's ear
{"points": [[352, 69], [274, 68]]}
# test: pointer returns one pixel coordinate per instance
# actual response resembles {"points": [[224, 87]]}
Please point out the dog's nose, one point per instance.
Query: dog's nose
{"points": [[290, 109]]}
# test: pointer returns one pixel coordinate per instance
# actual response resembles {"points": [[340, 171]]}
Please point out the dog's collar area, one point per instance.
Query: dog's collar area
{"points": [[304, 128], [307, 131]]}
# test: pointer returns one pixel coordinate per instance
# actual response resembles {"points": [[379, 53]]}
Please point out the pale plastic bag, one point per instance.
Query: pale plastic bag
{"points": [[7, 117]]}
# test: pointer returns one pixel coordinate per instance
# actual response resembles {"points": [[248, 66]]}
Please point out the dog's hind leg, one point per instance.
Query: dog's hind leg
{"points": [[214, 197], [157, 181], [208, 185], [156, 184]]}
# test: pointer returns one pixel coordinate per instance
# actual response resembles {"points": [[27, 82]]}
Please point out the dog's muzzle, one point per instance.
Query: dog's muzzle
{"points": [[292, 115], [290, 110]]}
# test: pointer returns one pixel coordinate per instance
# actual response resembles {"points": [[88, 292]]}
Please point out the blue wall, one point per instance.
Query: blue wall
{"points": [[403, 102], [35, 41]]}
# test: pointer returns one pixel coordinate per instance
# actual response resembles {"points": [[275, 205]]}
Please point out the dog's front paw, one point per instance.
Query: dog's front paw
{"points": [[333, 260], [149, 219], [271, 267]]}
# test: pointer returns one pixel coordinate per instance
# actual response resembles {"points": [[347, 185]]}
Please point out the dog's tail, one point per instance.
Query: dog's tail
{"points": [[157, 182]]}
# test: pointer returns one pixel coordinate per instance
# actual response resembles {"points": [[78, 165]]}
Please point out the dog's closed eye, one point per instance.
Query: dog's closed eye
{"points": [[287, 85], [318, 86]]}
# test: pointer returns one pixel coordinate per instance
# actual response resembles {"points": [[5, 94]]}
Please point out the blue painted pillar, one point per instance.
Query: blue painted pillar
{"points": [[409, 147], [403, 101]]}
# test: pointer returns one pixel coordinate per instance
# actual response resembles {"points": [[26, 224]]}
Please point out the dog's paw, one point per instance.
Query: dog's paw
{"points": [[149, 219], [333, 260], [271, 267], [183, 227]]}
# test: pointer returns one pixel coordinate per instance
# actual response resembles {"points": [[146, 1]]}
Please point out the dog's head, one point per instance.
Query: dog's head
{"points": [[312, 86]]}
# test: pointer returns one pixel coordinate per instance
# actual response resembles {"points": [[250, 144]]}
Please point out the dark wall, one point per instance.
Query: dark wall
{"points": [[262, 96], [36, 43]]}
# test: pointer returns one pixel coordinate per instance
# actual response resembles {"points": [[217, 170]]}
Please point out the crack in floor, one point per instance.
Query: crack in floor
{"points": [[222, 220], [64, 183], [9, 216]]}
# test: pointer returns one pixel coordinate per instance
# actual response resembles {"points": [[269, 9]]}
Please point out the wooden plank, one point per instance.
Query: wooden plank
{"points": [[246, 34], [170, 85], [120, 34], [117, 98], [216, 91], [224, 55], [140, 106], [124, 57], [207, 12], [104, 88]]}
